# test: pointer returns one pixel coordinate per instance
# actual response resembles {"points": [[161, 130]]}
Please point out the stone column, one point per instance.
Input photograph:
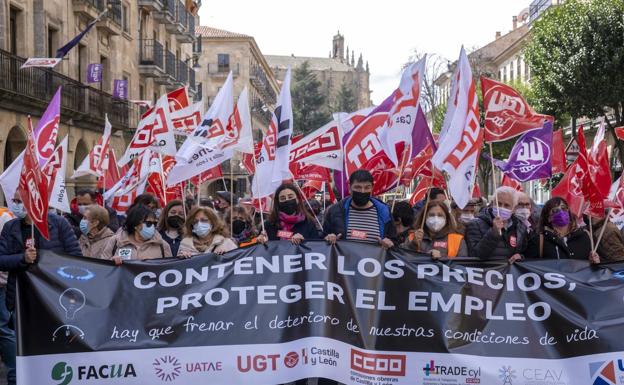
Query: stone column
{"points": [[4, 25], [39, 27]]}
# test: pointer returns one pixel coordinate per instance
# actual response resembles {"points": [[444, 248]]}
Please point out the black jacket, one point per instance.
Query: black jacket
{"points": [[307, 228], [335, 221], [174, 243], [484, 242], [577, 246]]}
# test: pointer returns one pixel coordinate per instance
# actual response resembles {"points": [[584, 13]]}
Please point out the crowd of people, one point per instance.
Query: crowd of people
{"points": [[510, 227]]}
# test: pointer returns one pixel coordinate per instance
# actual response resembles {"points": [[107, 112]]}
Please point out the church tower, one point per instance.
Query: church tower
{"points": [[339, 47]]}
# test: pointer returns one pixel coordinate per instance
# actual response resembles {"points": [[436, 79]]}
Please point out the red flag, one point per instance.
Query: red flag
{"points": [[33, 187], [310, 172], [507, 114], [111, 173], [619, 132], [476, 191], [208, 175], [558, 154], [420, 191], [510, 182], [599, 168]]}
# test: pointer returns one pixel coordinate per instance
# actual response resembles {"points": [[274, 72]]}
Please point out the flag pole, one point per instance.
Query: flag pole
{"points": [[400, 173], [324, 186], [422, 223], [162, 179], [604, 225], [494, 180], [306, 200], [231, 197], [591, 232], [183, 193]]}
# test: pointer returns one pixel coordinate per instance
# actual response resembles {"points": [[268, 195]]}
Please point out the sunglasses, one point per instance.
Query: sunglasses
{"points": [[150, 223]]}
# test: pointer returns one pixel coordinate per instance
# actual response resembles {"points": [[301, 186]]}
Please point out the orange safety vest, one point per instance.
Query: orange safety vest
{"points": [[453, 242]]}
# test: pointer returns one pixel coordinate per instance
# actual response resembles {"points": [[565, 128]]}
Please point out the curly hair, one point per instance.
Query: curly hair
{"points": [[218, 226]]}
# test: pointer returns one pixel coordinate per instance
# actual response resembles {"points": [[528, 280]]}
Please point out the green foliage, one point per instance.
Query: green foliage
{"points": [[307, 101], [345, 99]]}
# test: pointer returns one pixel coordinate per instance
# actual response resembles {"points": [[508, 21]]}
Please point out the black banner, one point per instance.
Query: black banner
{"points": [[352, 312]]}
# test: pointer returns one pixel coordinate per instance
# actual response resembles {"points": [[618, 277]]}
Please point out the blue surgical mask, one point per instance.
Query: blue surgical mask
{"points": [[501, 212], [201, 229], [157, 213], [82, 209], [84, 226], [147, 232], [17, 209]]}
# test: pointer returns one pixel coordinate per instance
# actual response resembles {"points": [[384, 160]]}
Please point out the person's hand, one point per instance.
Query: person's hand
{"points": [[262, 238], [332, 238], [386, 243], [594, 258], [435, 254], [498, 224], [117, 259], [30, 255], [418, 236], [514, 258], [296, 239], [184, 254], [219, 251]]}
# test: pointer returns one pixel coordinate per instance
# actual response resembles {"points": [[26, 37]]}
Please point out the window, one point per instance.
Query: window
{"points": [[105, 85], [13, 30], [141, 92], [82, 62], [223, 62], [511, 72], [125, 18], [52, 45], [519, 67]]}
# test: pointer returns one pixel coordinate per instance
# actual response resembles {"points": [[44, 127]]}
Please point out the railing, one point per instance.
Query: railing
{"points": [[192, 79], [151, 52], [30, 90], [170, 7], [191, 24], [215, 69], [199, 92], [114, 12], [170, 64], [183, 72], [260, 80], [182, 14]]}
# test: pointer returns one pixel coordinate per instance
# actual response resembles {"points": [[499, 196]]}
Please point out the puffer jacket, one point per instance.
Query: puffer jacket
{"points": [[93, 245], [12, 247], [219, 244], [577, 245], [611, 246], [126, 247], [486, 243], [438, 242], [337, 217]]}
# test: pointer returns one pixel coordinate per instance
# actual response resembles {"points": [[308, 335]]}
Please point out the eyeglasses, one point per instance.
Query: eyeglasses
{"points": [[524, 205], [150, 223], [16, 201], [558, 209]]}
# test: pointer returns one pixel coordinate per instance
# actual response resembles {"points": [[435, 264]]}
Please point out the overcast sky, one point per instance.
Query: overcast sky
{"points": [[386, 32]]}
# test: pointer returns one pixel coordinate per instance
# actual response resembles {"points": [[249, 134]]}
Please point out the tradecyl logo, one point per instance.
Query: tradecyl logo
{"points": [[62, 372], [378, 364]]}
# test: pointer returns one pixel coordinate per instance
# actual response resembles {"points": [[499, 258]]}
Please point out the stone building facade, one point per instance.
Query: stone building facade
{"points": [[146, 43], [340, 67]]}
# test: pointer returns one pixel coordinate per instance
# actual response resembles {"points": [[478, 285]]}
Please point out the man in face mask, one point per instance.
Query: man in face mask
{"points": [[523, 210], [496, 233], [360, 217]]}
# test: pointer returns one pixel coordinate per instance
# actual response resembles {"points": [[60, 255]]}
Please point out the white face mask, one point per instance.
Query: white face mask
{"points": [[466, 217], [435, 223], [523, 213]]}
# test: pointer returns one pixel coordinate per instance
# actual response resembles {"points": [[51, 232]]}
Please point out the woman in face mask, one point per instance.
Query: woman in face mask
{"points": [[94, 231], [243, 231], [289, 220], [438, 236], [204, 233], [558, 236], [138, 239], [171, 225]]}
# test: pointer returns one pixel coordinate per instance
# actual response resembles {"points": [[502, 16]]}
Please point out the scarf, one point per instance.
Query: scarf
{"points": [[287, 222], [243, 236]]}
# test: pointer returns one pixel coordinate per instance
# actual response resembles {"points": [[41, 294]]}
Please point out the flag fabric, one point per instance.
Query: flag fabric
{"points": [[511, 182], [54, 170], [46, 130], [507, 114], [61, 52], [461, 137], [92, 163], [558, 157], [233, 134], [155, 184], [310, 172], [142, 139], [120, 88], [9, 180], [420, 192], [616, 193], [619, 133], [531, 156], [186, 120], [110, 171], [400, 122], [272, 165], [94, 73], [599, 167], [163, 141], [249, 160], [207, 176], [322, 147], [33, 187]]}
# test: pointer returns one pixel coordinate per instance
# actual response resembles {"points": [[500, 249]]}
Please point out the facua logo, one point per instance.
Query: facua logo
{"points": [[167, 368], [604, 372], [65, 373], [62, 372], [378, 364]]}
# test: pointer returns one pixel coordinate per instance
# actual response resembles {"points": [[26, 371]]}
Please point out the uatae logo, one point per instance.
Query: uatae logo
{"points": [[607, 372]]}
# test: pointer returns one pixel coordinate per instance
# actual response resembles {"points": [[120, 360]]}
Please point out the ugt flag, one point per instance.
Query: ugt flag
{"points": [[530, 157]]}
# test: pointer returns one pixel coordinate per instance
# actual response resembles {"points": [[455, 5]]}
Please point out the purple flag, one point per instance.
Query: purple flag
{"points": [[530, 157], [94, 73], [46, 131], [61, 52], [120, 89]]}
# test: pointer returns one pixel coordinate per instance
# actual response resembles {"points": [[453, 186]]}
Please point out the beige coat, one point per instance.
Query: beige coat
{"points": [[219, 244], [93, 245], [126, 247]]}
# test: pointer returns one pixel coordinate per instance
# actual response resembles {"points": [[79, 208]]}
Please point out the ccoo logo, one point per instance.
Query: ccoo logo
{"points": [[63, 373]]}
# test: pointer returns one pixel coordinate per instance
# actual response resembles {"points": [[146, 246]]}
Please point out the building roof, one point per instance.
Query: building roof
{"points": [[205, 31], [497, 47], [316, 63]]}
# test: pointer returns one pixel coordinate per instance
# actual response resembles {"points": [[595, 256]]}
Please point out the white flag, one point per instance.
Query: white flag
{"points": [[54, 169], [92, 164], [402, 115], [163, 140], [186, 120], [272, 167], [9, 180], [462, 136], [322, 147], [142, 139]]}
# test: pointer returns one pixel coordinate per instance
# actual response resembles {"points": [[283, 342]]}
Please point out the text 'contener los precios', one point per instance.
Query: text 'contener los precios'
{"points": [[364, 298]]}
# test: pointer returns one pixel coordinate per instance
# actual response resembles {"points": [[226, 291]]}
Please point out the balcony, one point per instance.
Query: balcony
{"points": [[192, 84], [87, 8], [168, 77], [178, 24], [111, 21], [260, 81], [260, 110], [183, 73], [222, 71], [188, 36], [151, 58], [198, 93], [29, 91], [197, 46], [167, 14], [151, 5]]}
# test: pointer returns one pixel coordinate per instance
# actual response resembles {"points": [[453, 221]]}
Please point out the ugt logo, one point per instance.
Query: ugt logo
{"points": [[63, 373]]}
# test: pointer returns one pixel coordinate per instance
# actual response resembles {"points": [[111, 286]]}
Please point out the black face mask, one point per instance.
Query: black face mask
{"points": [[175, 221], [288, 207], [360, 198], [238, 226]]}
